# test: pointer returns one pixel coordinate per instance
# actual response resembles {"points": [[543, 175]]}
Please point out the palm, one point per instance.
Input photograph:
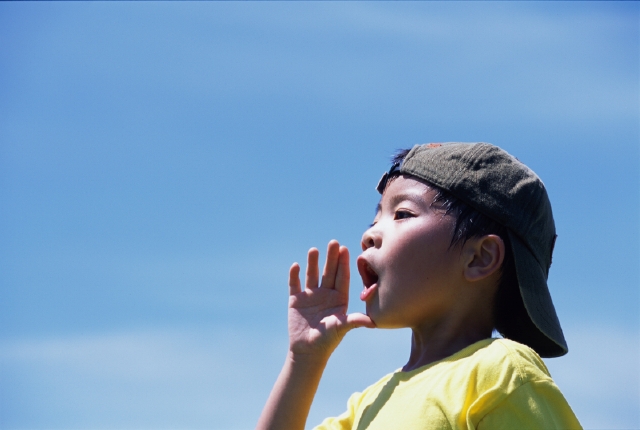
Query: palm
{"points": [[314, 319]]}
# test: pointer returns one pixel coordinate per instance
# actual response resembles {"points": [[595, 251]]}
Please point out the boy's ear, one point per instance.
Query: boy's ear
{"points": [[483, 256]]}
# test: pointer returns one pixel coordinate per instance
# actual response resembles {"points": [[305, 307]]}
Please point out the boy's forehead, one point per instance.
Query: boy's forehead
{"points": [[406, 187]]}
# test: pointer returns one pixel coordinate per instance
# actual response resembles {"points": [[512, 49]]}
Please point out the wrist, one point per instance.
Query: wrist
{"points": [[307, 361]]}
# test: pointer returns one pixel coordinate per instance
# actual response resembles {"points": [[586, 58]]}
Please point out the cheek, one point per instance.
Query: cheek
{"points": [[409, 265], [425, 255]]}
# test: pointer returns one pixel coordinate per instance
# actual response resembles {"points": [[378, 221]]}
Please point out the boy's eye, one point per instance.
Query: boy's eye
{"points": [[400, 214]]}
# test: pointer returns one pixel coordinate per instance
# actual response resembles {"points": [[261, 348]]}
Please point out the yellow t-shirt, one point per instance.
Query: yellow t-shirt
{"points": [[493, 384]]}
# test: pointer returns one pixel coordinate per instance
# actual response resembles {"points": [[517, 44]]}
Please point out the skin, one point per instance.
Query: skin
{"points": [[413, 278]]}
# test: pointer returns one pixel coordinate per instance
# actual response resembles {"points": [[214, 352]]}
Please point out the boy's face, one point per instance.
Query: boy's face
{"points": [[410, 273]]}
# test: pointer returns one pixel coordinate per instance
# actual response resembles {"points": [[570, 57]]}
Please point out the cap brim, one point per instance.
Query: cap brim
{"points": [[549, 341]]}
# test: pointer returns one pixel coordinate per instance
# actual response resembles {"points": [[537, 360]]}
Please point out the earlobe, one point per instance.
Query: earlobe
{"points": [[484, 257]]}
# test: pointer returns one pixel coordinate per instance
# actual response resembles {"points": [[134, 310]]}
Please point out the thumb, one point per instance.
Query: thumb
{"points": [[359, 320]]}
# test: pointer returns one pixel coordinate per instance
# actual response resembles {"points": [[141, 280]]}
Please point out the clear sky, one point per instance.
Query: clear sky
{"points": [[163, 164]]}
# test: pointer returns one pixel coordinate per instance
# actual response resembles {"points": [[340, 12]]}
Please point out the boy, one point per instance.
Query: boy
{"points": [[460, 246]]}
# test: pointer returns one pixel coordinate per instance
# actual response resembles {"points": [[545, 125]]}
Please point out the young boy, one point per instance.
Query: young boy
{"points": [[460, 246]]}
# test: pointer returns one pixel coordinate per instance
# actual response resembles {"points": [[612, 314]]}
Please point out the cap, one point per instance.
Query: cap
{"points": [[499, 186]]}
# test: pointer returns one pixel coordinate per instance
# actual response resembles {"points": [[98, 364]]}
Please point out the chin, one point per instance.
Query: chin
{"points": [[385, 321], [379, 320]]}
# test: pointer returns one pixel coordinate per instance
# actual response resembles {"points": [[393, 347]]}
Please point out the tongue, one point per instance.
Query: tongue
{"points": [[366, 293]]}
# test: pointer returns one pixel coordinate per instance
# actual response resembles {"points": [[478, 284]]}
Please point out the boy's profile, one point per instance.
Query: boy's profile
{"points": [[460, 246]]}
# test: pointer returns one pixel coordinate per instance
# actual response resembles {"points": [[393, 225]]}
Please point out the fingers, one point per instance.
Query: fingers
{"points": [[331, 265], [342, 272], [336, 269], [294, 279], [312, 269]]}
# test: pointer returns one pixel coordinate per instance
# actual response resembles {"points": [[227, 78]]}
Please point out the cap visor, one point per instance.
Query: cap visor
{"points": [[550, 341]]}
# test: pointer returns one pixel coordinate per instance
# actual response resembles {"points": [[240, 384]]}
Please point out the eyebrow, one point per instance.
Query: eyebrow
{"points": [[412, 197]]}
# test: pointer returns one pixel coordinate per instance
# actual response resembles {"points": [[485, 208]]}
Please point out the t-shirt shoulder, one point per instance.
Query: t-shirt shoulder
{"points": [[525, 361], [527, 396]]}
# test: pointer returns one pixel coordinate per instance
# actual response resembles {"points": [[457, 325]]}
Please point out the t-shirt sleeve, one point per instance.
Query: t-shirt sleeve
{"points": [[344, 421], [535, 405]]}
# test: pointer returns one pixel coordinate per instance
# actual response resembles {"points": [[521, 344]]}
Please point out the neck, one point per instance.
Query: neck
{"points": [[435, 342]]}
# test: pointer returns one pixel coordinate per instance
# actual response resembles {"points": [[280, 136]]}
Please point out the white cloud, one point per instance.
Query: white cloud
{"points": [[143, 379]]}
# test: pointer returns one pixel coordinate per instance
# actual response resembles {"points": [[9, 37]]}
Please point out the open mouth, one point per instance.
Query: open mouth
{"points": [[369, 278]]}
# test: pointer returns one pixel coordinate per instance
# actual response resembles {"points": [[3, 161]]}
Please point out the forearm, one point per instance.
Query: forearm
{"points": [[290, 400]]}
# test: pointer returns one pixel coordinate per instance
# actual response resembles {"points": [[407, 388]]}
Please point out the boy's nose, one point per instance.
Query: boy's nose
{"points": [[370, 239]]}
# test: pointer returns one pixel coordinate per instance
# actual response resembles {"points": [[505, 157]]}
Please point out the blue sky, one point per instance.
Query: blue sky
{"points": [[163, 164]]}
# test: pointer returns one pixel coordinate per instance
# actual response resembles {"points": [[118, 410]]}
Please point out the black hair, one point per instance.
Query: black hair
{"points": [[510, 317]]}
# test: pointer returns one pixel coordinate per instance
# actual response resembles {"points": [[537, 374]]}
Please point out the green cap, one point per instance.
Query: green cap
{"points": [[499, 186]]}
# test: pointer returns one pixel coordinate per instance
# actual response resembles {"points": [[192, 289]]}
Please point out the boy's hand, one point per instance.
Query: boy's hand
{"points": [[318, 317], [318, 321]]}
